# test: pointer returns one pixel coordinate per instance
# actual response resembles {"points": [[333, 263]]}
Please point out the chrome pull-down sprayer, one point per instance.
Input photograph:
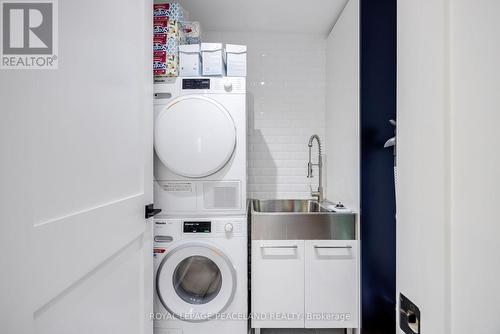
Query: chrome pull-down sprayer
{"points": [[319, 193]]}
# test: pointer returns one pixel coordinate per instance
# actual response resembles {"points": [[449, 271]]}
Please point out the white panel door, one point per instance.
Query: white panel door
{"points": [[331, 284], [448, 160], [422, 160], [278, 283], [75, 174]]}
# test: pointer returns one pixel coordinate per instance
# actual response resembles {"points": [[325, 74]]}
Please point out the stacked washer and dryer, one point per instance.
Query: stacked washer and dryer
{"points": [[200, 238]]}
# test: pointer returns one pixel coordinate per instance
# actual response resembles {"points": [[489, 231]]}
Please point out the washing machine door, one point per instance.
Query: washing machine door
{"points": [[195, 282], [195, 136]]}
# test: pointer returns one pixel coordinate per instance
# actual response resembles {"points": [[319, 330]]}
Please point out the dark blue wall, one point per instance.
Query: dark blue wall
{"points": [[378, 207]]}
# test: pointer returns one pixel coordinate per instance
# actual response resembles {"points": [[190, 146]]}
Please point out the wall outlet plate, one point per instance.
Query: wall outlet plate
{"points": [[409, 316]]}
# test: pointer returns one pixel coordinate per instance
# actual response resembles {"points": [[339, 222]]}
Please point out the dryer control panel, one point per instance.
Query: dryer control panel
{"points": [[196, 83]]}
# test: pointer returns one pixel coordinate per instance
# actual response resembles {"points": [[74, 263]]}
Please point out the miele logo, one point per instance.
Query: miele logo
{"points": [[29, 34]]}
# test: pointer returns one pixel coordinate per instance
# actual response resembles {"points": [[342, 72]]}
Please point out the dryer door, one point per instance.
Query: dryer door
{"points": [[195, 282], [194, 136]]}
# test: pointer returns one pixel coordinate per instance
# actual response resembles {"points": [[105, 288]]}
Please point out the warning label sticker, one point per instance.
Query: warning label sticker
{"points": [[178, 187]]}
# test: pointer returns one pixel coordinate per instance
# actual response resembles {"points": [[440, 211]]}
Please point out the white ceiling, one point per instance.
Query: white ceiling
{"points": [[290, 16]]}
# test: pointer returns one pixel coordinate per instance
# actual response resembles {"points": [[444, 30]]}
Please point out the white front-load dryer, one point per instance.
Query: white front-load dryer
{"points": [[200, 146], [201, 275]]}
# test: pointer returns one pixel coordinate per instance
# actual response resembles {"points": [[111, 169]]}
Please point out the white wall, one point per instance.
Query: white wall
{"points": [[342, 112], [475, 161], [286, 105], [342, 108], [448, 163]]}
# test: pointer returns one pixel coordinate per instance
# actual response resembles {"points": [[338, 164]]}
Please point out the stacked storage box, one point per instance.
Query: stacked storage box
{"points": [[235, 57], [178, 51], [166, 17], [189, 60], [211, 58], [189, 50]]}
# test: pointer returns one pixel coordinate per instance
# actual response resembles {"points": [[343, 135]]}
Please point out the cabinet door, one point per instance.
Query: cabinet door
{"points": [[277, 283], [331, 284]]}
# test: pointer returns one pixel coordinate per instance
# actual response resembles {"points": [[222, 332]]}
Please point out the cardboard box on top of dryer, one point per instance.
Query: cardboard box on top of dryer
{"points": [[211, 58], [235, 57], [189, 60]]}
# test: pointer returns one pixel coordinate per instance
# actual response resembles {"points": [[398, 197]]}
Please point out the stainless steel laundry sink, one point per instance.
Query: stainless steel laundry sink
{"points": [[288, 205], [298, 219]]}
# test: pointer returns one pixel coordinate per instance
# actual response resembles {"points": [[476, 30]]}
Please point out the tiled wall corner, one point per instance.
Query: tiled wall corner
{"points": [[285, 106]]}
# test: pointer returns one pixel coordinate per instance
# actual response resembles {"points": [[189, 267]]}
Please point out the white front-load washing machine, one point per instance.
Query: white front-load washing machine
{"points": [[200, 146], [201, 275]]}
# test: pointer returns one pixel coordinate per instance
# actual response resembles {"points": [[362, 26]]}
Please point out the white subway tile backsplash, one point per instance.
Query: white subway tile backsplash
{"points": [[284, 187], [297, 130], [272, 139], [281, 194], [281, 148], [286, 104], [273, 172], [279, 155]]}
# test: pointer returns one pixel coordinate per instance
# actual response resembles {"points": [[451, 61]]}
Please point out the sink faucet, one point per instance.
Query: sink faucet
{"points": [[319, 193]]}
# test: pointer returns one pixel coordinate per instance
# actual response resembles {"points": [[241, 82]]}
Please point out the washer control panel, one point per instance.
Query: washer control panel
{"points": [[167, 230], [197, 226]]}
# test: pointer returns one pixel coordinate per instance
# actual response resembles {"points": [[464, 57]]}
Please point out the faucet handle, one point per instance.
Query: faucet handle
{"points": [[309, 170]]}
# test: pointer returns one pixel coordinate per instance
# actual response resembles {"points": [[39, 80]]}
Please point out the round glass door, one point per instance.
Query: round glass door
{"points": [[195, 281], [194, 136]]}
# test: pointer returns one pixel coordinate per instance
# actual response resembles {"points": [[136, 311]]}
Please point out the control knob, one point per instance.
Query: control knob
{"points": [[228, 86]]}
